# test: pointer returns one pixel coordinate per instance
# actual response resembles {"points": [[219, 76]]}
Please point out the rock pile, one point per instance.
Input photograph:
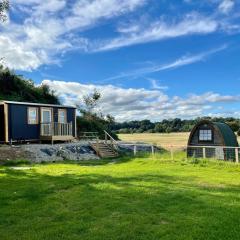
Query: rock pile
{"points": [[60, 152]]}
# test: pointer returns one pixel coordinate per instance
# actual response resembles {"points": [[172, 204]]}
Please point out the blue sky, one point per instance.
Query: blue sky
{"points": [[150, 59]]}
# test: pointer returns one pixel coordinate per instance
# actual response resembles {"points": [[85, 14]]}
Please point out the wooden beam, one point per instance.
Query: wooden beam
{"points": [[6, 122], [57, 138], [75, 123]]}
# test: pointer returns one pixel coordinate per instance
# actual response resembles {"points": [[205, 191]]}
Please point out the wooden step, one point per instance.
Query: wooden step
{"points": [[104, 150]]}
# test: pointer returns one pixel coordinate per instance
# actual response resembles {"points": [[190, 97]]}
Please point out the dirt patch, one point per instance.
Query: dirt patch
{"points": [[11, 153]]}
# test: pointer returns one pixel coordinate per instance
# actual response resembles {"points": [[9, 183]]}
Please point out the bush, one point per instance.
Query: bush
{"points": [[238, 132]]}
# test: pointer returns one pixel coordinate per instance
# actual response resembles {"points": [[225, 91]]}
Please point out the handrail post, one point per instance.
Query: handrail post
{"points": [[98, 146], [106, 137]]}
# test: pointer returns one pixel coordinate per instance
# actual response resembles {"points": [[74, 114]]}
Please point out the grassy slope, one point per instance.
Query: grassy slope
{"points": [[132, 199], [161, 139]]}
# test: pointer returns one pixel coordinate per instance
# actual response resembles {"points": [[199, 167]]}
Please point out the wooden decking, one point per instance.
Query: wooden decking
{"points": [[57, 138], [56, 132]]}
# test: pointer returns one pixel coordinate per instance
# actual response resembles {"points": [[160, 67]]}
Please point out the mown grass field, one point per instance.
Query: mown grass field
{"points": [[147, 198], [164, 140]]}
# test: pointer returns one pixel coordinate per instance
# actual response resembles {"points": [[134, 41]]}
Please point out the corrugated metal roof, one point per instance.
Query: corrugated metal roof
{"points": [[36, 104], [229, 136]]}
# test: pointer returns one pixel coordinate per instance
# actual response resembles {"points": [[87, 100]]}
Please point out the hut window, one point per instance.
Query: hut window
{"points": [[205, 135], [32, 115], [62, 116]]}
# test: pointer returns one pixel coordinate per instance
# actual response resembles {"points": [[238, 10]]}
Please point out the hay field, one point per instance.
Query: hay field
{"points": [[161, 139], [165, 140]]}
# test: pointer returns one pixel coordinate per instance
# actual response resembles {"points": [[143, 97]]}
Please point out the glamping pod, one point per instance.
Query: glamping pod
{"points": [[211, 140], [21, 121]]}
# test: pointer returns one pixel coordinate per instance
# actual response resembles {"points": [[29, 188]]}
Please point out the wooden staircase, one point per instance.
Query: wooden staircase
{"points": [[107, 148], [104, 150]]}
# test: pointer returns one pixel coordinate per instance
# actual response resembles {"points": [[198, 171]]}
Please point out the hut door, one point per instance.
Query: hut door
{"points": [[2, 124], [46, 115]]}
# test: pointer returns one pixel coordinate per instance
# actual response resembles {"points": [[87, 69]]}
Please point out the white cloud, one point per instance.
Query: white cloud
{"points": [[130, 104], [46, 30], [182, 61], [52, 27], [155, 84], [19, 57], [191, 24], [86, 12], [226, 6]]}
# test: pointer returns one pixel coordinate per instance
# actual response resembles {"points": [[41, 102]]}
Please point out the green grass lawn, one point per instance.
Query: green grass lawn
{"points": [[141, 198]]}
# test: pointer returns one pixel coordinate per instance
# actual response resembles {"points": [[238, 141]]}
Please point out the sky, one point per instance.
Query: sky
{"points": [[150, 59]]}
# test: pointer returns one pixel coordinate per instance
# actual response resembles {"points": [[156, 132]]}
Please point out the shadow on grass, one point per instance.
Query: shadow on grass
{"points": [[100, 206]]}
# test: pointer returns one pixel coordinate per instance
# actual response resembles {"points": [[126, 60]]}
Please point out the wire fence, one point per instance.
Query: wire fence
{"points": [[231, 154]]}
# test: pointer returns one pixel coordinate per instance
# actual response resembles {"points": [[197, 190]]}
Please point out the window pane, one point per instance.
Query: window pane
{"points": [[62, 116], [32, 116], [46, 116], [205, 135]]}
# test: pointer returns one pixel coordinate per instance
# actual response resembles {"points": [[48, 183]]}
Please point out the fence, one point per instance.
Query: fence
{"points": [[214, 152], [211, 152]]}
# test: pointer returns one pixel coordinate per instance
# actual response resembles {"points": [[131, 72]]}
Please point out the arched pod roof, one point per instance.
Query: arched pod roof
{"points": [[229, 138]]}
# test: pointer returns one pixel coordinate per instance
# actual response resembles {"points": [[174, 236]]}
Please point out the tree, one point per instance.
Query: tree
{"points": [[92, 120], [4, 7], [16, 88], [238, 132], [234, 125]]}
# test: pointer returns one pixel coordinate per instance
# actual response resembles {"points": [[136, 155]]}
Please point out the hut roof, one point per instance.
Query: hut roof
{"points": [[227, 133], [229, 138]]}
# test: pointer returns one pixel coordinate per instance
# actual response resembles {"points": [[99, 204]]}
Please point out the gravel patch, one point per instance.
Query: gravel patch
{"points": [[58, 152]]}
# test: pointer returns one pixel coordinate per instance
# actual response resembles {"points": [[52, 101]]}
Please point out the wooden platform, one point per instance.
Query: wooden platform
{"points": [[57, 138]]}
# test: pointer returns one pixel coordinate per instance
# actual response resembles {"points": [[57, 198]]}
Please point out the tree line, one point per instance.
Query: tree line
{"points": [[169, 125]]}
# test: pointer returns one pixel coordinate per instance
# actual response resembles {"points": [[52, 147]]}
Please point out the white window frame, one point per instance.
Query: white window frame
{"points": [[205, 135], [65, 115], [47, 110], [32, 121]]}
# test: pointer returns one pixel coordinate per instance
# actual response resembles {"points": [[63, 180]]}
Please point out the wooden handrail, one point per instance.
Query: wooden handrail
{"points": [[114, 143], [89, 135]]}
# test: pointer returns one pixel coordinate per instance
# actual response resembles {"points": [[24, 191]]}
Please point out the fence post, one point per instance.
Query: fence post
{"points": [[135, 150], [237, 156], [204, 152], [98, 147], [153, 150]]}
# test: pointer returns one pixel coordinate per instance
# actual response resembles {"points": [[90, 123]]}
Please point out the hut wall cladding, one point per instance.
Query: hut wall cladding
{"points": [[217, 138], [2, 130], [19, 129]]}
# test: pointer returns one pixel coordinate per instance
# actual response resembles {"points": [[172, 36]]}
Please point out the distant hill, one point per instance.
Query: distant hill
{"points": [[16, 88]]}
